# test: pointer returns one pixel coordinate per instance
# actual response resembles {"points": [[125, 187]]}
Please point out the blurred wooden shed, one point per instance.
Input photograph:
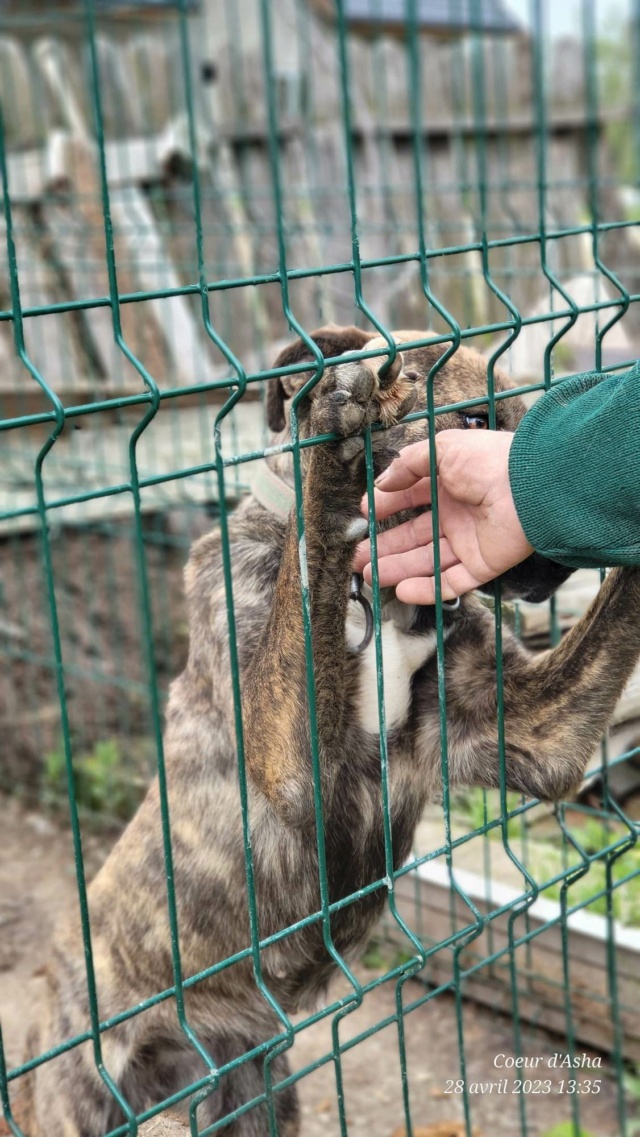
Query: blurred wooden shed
{"points": [[57, 197]]}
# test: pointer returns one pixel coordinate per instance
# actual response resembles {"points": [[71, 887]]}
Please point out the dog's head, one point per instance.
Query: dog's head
{"points": [[461, 379]]}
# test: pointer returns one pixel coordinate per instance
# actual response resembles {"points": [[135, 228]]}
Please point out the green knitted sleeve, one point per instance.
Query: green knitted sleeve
{"points": [[574, 470]]}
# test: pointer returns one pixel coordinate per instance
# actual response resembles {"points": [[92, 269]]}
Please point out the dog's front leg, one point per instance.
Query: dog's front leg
{"points": [[556, 705], [275, 702]]}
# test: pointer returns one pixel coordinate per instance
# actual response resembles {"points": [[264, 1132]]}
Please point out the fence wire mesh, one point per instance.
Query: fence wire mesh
{"points": [[187, 187]]}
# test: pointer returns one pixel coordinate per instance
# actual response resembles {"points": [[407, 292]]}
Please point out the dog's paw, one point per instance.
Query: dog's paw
{"points": [[344, 401], [349, 398]]}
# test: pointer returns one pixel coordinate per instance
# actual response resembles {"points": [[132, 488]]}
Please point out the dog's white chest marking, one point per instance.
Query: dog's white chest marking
{"points": [[402, 655]]}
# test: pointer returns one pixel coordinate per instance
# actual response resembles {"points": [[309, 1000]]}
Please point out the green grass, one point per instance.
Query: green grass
{"points": [[566, 1129], [550, 856], [107, 781]]}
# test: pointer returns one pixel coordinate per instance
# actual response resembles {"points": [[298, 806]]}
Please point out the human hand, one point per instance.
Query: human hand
{"points": [[480, 535]]}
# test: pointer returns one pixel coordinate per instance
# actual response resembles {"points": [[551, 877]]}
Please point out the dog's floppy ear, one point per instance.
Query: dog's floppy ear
{"points": [[274, 403], [332, 341]]}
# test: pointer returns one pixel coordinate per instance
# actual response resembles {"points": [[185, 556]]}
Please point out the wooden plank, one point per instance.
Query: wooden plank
{"points": [[16, 399], [187, 359], [139, 159], [23, 120], [95, 459], [565, 123], [162, 333], [539, 964], [147, 59], [136, 159], [86, 275], [50, 343], [140, 329]]}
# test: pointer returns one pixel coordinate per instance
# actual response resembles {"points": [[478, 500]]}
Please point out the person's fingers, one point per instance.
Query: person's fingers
{"points": [[410, 535], [387, 504], [455, 581], [414, 563], [362, 556], [411, 464]]}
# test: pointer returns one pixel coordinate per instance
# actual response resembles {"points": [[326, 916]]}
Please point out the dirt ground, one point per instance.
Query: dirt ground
{"points": [[99, 616], [37, 879]]}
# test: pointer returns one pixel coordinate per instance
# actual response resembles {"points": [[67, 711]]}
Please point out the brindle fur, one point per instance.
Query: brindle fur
{"points": [[556, 705]]}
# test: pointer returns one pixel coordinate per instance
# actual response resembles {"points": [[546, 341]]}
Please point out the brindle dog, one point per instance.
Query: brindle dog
{"points": [[556, 706]]}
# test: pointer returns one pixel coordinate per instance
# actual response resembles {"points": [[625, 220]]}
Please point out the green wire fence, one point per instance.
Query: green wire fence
{"points": [[185, 187]]}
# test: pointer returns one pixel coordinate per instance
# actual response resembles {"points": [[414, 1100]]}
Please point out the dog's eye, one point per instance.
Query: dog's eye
{"points": [[476, 422]]}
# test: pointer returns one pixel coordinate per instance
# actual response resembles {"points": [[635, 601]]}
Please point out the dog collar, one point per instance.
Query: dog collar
{"points": [[273, 492]]}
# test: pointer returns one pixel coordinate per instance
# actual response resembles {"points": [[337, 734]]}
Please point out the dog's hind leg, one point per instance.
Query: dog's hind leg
{"points": [[242, 1085]]}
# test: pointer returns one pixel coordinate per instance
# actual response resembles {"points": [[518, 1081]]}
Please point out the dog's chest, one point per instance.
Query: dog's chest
{"points": [[403, 653]]}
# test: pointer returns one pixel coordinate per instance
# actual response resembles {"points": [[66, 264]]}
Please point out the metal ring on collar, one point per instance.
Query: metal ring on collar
{"points": [[355, 594]]}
